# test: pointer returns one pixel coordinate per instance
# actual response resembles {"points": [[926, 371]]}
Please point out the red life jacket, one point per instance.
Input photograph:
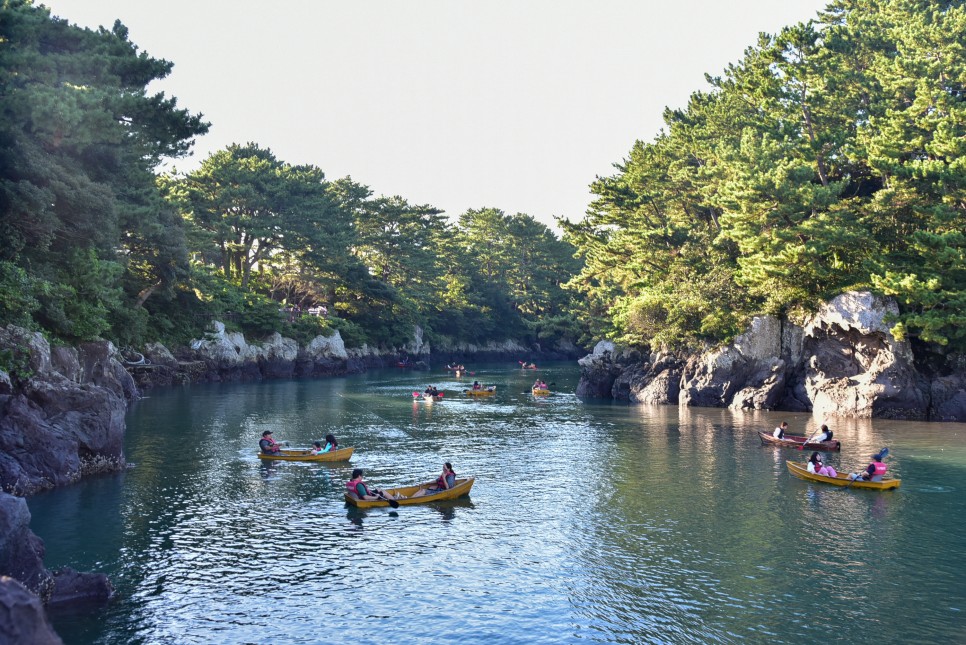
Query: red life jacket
{"points": [[353, 487]]}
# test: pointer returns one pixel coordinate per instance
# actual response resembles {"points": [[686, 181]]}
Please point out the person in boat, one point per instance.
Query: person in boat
{"points": [[477, 386], [330, 443], [268, 445], [874, 472], [444, 482], [362, 491], [431, 391], [816, 466], [779, 432], [824, 435], [316, 448]]}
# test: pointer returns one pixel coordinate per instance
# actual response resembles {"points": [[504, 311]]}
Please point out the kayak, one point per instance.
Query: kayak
{"points": [[406, 493], [795, 441], [342, 454], [484, 392], [842, 479], [538, 391]]}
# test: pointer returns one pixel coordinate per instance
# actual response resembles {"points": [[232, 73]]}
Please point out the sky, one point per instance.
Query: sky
{"points": [[517, 105]]}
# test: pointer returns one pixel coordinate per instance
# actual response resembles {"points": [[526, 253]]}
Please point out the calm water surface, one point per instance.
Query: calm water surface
{"points": [[587, 523]]}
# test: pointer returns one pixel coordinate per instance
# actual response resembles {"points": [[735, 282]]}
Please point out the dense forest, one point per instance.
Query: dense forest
{"points": [[829, 158], [97, 242]]}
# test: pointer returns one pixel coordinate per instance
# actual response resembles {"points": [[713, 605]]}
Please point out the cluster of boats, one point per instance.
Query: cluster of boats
{"points": [[802, 472], [406, 494]]}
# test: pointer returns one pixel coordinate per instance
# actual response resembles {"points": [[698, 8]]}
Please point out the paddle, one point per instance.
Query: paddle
{"points": [[879, 457], [381, 495]]}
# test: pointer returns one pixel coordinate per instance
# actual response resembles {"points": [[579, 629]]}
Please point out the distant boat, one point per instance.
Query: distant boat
{"points": [[341, 454]]}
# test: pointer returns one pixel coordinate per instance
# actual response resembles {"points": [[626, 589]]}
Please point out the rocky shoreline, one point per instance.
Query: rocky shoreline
{"points": [[842, 361]]}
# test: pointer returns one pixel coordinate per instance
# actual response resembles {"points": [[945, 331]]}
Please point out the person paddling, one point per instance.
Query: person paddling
{"points": [[779, 432], [361, 490], [823, 435], [875, 470], [268, 445]]}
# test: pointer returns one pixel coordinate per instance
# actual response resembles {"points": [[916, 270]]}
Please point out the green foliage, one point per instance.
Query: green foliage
{"points": [[17, 296], [16, 363], [79, 141], [352, 334], [829, 158]]}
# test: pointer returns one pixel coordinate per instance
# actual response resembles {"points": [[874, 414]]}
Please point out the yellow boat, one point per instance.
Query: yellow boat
{"points": [[539, 391], [842, 479], [342, 454], [406, 493], [487, 391]]}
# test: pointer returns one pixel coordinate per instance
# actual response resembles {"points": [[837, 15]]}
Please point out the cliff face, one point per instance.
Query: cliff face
{"points": [[842, 361]]}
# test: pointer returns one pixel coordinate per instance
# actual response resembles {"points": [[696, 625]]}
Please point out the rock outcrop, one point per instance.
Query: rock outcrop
{"points": [[64, 418], [22, 617], [22, 558], [842, 361]]}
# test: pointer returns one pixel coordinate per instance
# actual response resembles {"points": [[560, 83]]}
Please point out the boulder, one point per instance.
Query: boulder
{"points": [[655, 382], [856, 367], [22, 552], [22, 617], [747, 374], [75, 589], [599, 371]]}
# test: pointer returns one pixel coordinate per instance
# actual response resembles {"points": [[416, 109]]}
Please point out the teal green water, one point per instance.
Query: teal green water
{"points": [[587, 523]]}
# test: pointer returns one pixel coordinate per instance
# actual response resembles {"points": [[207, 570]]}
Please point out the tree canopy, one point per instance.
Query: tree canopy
{"points": [[829, 158]]}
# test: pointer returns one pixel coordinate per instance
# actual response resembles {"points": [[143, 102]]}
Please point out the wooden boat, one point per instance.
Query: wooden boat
{"points": [[342, 454], [842, 479], [490, 391], [796, 441], [429, 398], [406, 493], [539, 391]]}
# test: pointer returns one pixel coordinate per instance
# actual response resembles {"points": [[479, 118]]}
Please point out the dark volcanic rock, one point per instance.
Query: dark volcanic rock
{"points": [[22, 617]]}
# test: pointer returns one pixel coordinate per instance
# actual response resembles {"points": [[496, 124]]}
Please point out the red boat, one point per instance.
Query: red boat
{"points": [[795, 441]]}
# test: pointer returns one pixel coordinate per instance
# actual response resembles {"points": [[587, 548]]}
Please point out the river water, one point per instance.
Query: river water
{"points": [[588, 522]]}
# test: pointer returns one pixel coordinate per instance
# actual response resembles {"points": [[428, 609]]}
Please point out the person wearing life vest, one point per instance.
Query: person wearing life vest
{"points": [[779, 432], [330, 443], [444, 482], [874, 472], [268, 445], [361, 490], [823, 435]]}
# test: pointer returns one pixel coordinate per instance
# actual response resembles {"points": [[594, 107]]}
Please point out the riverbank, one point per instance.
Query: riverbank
{"points": [[843, 361]]}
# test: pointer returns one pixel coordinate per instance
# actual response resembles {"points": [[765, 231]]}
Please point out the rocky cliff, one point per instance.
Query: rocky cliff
{"points": [[841, 361]]}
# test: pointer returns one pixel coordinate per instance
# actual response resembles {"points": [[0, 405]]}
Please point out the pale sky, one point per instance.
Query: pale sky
{"points": [[516, 105]]}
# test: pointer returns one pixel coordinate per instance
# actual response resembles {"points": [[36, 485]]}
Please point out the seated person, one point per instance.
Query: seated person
{"points": [[779, 432], [816, 466], [330, 443], [874, 472], [268, 445], [824, 435], [362, 491], [444, 482], [477, 386], [316, 448]]}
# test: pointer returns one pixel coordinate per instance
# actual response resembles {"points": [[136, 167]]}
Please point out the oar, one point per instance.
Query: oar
{"points": [[393, 503]]}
